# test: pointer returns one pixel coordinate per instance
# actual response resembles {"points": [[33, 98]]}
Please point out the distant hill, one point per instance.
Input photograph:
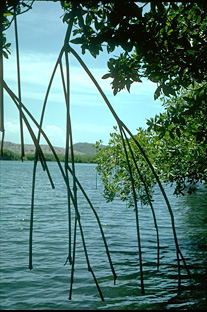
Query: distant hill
{"points": [[79, 148], [84, 148]]}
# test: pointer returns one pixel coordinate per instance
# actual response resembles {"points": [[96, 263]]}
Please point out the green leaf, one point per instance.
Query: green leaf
{"points": [[157, 93], [155, 79], [168, 90], [106, 76], [88, 19], [110, 47], [78, 40], [115, 91], [7, 14], [5, 54], [110, 66], [198, 20], [80, 20], [192, 52], [172, 134], [178, 132], [182, 120], [4, 40], [66, 17], [128, 85], [187, 99], [94, 54], [7, 46]]}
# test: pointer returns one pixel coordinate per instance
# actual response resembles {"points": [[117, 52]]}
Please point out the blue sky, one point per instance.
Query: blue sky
{"points": [[41, 36]]}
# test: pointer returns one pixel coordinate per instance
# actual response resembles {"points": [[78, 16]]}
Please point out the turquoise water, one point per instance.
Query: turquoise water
{"points": [[47, 285]]}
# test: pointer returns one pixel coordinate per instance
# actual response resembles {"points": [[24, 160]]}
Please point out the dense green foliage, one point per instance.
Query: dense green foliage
{"points": [[182, 131], [8, 8], [112, 167], [174, 145], [9, 155], [163, 41]]}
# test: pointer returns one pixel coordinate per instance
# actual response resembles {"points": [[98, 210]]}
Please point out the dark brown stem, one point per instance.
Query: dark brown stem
{"points": [[122, 125], [136, 212], [19, 87], [148, 197], [1, 80]]}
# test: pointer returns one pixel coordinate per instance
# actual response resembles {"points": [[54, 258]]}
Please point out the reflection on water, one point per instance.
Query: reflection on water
{"points": [[47, 285]]}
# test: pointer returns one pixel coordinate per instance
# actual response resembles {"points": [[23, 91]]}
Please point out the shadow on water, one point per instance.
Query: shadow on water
{"points": [[194, 224]]}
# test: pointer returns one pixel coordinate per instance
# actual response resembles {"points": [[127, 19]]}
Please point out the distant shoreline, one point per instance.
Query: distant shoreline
{"points": [[83, 152], [78, 148], [78, 158]]}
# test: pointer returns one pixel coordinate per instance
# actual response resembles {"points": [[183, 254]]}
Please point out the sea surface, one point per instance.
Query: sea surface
{"points": [[47, 285]]}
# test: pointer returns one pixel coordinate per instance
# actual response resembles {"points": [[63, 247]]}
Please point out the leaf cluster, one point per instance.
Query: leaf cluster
{"points": [[113, 170], [185, 113], [8, 10], [175, 143], [163, 41], [182, 131]]}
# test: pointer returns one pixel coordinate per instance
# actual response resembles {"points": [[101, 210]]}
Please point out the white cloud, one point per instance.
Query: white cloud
{"points": [[36, 70], [133, 108], [55, 134], [12, 132], [39, 49]]}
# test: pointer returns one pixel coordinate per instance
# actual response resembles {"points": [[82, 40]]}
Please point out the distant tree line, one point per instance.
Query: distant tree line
{"points": [[86, 158]]}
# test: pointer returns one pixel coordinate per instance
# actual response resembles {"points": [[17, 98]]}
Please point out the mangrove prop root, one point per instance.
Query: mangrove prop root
{"points": [[123, 126], [19, 86], [148, 197], [136, 214], [72, 194], [1, 84]]}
